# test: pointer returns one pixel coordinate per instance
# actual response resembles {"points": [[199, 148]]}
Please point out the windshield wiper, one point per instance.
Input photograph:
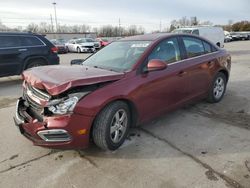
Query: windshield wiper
{"points": [[97, 67]]}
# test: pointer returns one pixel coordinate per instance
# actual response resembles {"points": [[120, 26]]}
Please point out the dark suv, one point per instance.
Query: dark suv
{"points": [[20, 51]]}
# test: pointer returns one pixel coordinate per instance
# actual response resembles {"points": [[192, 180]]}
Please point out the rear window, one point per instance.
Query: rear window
{"points": [[9, 41], [194, 46], [30, 41]]}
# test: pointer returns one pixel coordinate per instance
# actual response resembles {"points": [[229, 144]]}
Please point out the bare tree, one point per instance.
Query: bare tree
{"points": [[3, 27], [184, 21], [32, 27]]}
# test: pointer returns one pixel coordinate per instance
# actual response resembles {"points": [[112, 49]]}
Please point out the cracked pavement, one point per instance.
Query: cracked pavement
{"points": [[200, 145]]}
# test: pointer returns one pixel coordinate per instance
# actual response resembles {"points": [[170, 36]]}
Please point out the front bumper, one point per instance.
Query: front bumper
{"points": [[72, 124], [85, 49]]}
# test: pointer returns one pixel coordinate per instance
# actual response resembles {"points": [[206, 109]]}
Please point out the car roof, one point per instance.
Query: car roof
{"points": [[17, 33], [148, 37]]}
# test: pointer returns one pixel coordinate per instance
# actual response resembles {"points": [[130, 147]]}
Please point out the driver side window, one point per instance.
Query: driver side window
{"points": [[167, 50]]}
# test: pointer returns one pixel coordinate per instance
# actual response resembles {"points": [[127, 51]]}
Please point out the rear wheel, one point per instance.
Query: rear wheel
{"points": [[35, 63], [218, 88], [111, 126]]}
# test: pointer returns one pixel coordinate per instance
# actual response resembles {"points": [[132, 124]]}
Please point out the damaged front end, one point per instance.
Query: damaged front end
{"points": [[49, 120]]}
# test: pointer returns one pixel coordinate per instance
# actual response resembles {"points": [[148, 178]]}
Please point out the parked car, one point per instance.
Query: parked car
{"points": [[103, 41], [228, 37], [97, 44], [240, 36], [125, 84], [20, 51], [60, 44], [80, 45], [214, 34]]}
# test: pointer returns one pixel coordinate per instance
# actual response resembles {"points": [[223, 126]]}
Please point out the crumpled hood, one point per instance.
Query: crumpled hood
{"points": [[57, 78]]}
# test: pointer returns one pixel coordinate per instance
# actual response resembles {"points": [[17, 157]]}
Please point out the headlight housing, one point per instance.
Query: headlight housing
{"points": [[64, 106]]}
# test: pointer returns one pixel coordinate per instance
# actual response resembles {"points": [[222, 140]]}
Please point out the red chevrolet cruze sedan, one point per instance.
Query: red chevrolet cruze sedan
{"points": [[125, 84]]}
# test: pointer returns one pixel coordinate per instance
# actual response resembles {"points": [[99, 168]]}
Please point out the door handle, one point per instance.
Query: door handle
{"points": [[22, 50], [182, 73]]}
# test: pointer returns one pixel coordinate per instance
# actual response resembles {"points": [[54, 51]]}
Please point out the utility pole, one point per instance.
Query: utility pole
{"points": [[54, 4], [52, 26], [160, 25], [120, 27]]}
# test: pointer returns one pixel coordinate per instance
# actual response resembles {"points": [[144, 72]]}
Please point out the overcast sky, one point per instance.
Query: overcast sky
{"points": [[146, 13]]}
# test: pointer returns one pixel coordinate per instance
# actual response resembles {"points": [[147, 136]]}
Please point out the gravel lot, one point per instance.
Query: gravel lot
{"points": [[200, 145]]}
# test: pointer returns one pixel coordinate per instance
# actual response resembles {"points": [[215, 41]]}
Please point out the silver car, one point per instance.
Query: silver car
{"points": [[97, 44], [80, 45]]}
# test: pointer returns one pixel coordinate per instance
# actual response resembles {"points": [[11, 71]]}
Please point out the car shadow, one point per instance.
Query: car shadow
{"points": [[199, 129]]}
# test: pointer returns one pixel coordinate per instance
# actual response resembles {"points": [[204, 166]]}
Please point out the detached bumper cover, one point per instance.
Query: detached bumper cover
{"points": [[31, 128]]}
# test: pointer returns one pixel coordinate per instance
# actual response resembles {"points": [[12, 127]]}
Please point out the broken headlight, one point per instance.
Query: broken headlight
{"points": [[65, 105]]}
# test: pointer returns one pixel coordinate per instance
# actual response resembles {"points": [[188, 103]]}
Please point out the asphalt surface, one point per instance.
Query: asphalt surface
{"points": [[200, 145]]}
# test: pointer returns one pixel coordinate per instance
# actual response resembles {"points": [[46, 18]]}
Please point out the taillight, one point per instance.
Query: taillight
{"points": [[54, 49]]}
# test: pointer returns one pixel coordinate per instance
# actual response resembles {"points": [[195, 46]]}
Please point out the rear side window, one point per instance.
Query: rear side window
{"points": [[194, 46], [207, 47], [9, 41], [30, 41]]}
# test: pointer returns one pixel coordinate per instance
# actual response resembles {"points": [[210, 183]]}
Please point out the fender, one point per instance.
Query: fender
{"points": [[32, 58]]}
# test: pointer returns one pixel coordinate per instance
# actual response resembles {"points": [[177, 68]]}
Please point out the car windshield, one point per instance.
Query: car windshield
{"points": [[90, 40], [56, 42], [79, 41], [104, 40], [119, 56]]}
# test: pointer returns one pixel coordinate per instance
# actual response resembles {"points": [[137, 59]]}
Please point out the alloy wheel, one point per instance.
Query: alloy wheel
{"points": [[119, 126], [219, 87]]}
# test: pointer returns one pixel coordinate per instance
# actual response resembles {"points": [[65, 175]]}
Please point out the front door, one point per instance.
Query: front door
{"points": [[10, 60], [162, 90]]}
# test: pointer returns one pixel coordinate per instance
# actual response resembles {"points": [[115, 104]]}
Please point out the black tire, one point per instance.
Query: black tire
{"points": [[212, 96], [35, 63], [78, 50], [101, 133]]}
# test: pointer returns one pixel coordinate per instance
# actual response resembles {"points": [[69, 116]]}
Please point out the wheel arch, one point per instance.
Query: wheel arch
{"points": [[28, 59], [132, 107], [225, 72]]}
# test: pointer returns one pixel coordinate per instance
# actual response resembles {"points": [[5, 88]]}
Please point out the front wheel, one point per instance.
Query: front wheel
{"points": [[111, 126], [78, 50], [218, 88]]}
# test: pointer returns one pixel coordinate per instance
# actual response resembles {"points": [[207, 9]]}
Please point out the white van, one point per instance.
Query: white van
{"points": [[214, 34]]}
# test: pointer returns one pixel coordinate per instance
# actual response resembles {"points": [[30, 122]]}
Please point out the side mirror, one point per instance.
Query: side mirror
{"points": [[76, 62], [156, 65]]}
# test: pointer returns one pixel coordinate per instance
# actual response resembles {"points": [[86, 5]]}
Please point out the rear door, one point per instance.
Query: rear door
{"points": [[10, 55], [200, 59], [32, 46]]}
